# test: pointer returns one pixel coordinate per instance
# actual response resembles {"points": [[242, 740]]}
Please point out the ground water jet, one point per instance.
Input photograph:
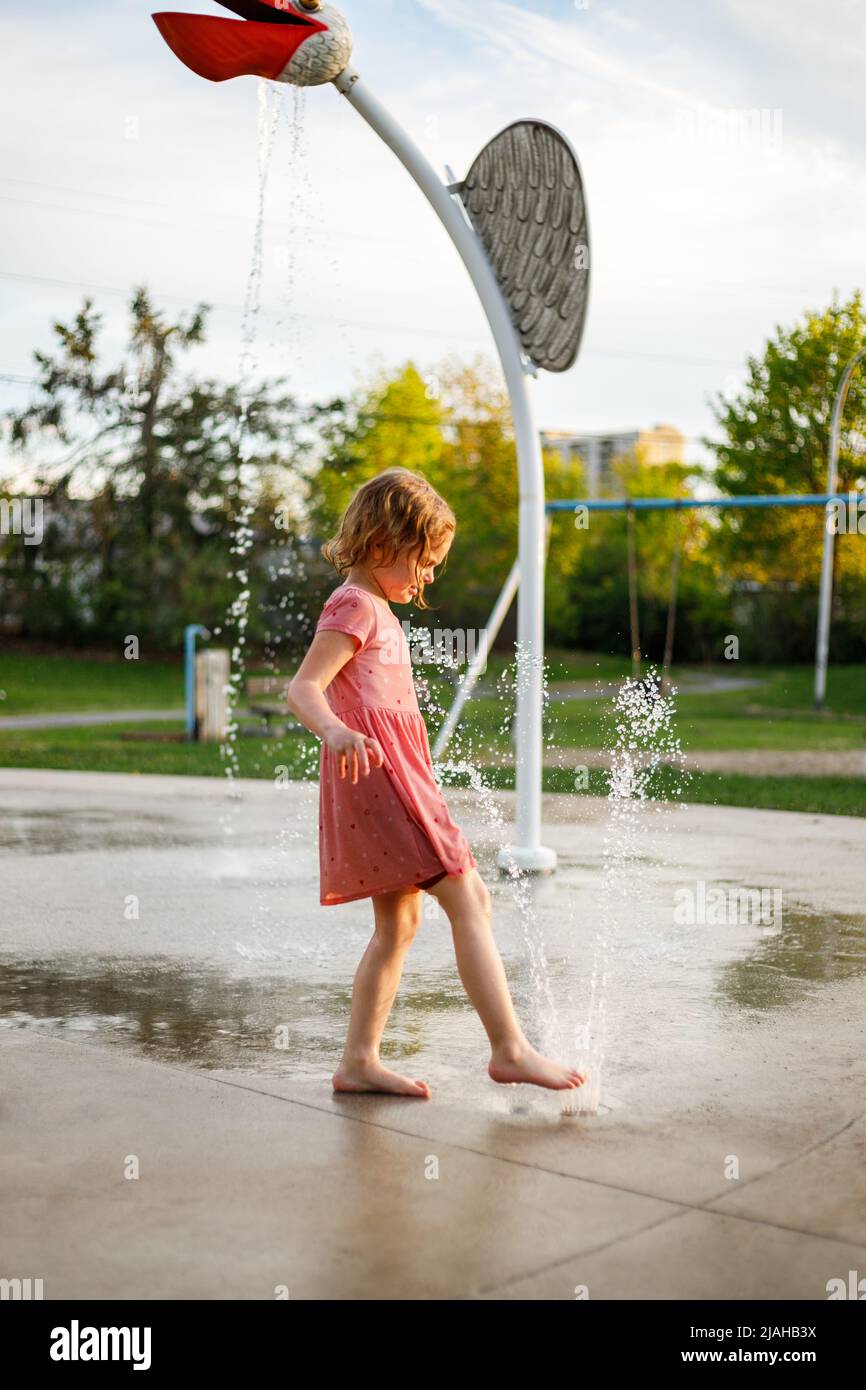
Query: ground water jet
{"points": [[463, 764], [644, 740]]}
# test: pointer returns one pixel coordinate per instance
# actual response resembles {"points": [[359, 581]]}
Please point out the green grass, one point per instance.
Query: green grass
{"points": [[829, 796], [60, 684], [819, 796], [102, 749], [791, 688], [576, 666], [774, 715], [588, 724]]}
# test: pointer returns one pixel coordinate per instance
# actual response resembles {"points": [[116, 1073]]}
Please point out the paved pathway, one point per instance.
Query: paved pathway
{"points": [[153, 1035], [89, 718]]}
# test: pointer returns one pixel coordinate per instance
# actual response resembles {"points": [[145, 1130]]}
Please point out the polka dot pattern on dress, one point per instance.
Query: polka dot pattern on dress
{"points": [[396, 802]]}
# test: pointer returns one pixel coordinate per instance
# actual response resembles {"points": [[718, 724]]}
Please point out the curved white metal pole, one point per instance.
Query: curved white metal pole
{"points": [[527, 853], [825, 602], [479, 661]]}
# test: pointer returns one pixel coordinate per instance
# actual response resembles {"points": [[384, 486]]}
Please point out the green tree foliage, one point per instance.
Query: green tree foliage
{"points": [[593, 612], [776, 433], [453, 425], [395, 422], [139, 469], [139, 476]]}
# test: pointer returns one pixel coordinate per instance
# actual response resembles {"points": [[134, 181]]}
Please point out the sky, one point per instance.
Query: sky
{"points": [[710, 226]]}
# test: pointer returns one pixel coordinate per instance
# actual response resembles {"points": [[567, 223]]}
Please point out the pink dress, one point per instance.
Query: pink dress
{"points": [[391, 829]]}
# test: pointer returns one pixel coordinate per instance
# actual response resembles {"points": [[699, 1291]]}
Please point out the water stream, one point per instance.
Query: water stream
{"points": [[644, 737], [270, 99], [644, 741]]}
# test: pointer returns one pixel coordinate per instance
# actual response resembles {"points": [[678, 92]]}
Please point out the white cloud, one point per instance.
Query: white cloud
{"points": [[828, 38], [565, 47], [701, 243]]}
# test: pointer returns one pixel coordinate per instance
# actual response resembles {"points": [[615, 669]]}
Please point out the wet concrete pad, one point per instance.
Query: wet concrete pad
{"points": [[240, 1192]]}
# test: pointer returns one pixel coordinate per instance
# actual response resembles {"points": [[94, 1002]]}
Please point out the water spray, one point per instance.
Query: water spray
{"points": [[519, 223]]}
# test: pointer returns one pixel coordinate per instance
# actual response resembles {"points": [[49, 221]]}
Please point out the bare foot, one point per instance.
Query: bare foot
{"points": [[372, 1076], [524, 1064]]}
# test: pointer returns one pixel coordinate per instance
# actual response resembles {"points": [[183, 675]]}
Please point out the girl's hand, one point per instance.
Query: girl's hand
{"points": [[354, 751]]}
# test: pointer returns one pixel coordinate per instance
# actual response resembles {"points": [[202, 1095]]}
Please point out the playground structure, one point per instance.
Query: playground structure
{"points": [[519, 223], [630, 506], [825, 603]]}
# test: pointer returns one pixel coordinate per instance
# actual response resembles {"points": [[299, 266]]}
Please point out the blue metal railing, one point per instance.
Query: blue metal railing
{"points": [[190, 633], [677, 504]]}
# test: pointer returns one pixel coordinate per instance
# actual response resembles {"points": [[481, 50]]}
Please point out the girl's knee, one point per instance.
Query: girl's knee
{"points": [[466, 896], [483, 900], [413, 911], [398, 920]]}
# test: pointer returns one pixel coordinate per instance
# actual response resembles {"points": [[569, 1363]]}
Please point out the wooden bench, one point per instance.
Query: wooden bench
{"points": [[267, 699]]}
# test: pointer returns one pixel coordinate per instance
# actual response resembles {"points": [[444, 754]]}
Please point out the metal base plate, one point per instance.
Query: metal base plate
{"points": [[537, 860]]}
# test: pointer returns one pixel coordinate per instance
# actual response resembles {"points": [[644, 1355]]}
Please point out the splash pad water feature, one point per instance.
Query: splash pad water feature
{"points": [[519, 222], [635, 1210], [644, 742]]}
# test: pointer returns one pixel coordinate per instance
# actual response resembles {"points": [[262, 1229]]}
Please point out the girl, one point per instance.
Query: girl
{"points": [[384, 829]]}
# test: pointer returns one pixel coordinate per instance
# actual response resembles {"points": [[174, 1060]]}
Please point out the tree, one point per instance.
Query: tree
{"points": [[453, 425], [596, 607], [140, 499], [775, 440], [393, 422]]}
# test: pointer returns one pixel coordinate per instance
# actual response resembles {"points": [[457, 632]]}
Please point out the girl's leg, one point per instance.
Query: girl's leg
{"points": [[467, 902], [398, 917]]}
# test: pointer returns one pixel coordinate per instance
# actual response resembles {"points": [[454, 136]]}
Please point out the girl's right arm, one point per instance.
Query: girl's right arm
{"points": [[329, 651]]}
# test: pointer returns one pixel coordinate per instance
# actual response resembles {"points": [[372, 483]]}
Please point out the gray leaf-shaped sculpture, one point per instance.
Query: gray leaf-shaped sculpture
{"points": [[524, 197]]}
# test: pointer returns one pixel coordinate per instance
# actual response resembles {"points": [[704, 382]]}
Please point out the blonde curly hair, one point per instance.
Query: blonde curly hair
{"points": [[396, 511]]}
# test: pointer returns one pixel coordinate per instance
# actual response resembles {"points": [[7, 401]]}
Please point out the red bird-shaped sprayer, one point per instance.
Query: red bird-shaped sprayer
{"points": [[304, 42]]}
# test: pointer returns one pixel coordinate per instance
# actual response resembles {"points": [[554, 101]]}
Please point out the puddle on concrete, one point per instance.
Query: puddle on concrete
{"points": [[86, 829], [809, 950], [190, 1016], [276, 1024]]}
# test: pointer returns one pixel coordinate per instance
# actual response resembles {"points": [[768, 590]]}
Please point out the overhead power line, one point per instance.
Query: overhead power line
{"points": [[211, 216], [377, 326], [383, 417]]}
